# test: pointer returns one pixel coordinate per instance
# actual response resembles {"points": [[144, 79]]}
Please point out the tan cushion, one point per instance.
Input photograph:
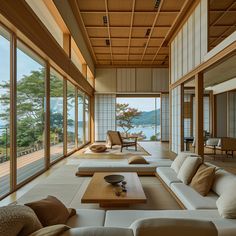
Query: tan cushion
{"points": [[98, 148], [203, 179], [54, 230], [18, 220], [226, 203], [137, 160], [189, 168], [50, 211], [170, 227], [179, 160]]}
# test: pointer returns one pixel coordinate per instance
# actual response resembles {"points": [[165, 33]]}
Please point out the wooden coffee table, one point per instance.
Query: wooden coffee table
{"points": [[99, 191]]}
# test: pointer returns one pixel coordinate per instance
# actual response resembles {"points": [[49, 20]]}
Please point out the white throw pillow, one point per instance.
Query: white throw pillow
{"points": [[226, 203], [179, 160], [189, 168]]}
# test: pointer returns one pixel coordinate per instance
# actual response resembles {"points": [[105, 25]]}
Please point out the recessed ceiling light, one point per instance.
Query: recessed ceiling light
{"points": [[104, 20], [107, 42], [148, 32], [157, 4]]}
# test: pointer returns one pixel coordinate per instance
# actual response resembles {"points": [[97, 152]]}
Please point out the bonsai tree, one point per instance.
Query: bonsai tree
{"points": [[125, 116]]}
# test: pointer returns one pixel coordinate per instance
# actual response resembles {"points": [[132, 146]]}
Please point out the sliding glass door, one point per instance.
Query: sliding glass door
{"points": [[4, 112], [81, 122], [56, 115], [70, 117], [30, 97]]}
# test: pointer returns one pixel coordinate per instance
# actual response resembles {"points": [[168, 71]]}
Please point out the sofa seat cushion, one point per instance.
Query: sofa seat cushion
{"points": [[98, 231], [92, 166], [87, 217], [170, 227], [168, 175], [191, 199], [124, 218]]}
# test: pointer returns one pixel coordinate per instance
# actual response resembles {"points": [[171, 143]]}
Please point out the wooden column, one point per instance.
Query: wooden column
{"points": [[13, 141], [92, 131], [47, 117], [67, 44], [84, 70], [199, 114], [182, 118], [211, 113]]}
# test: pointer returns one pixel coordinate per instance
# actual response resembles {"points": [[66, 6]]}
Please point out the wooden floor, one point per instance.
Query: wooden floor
{"points": [[156, 149]]}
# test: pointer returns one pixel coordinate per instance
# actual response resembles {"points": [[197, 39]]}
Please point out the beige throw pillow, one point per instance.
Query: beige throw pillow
{"points": [[189, 168], [203, 179], [226, 203], [51, 211], [54, 230], [137, 160], [179, 160], [18, 220]]}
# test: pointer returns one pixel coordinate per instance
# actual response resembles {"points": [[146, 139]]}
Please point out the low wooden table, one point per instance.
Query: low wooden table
{"points": [[99, 191]]}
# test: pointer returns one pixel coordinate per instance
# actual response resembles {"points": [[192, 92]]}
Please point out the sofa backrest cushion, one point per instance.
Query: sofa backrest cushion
{"points": [[179, 160], [98, 231], [226, 203], [222, 181], [189, 168], [170, 227]]}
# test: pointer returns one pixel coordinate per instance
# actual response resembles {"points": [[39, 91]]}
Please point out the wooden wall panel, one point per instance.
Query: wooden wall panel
{"points": [[160, 80], [179, 54], [172, 74], [176, 60], [143, 80], [126, 80]]}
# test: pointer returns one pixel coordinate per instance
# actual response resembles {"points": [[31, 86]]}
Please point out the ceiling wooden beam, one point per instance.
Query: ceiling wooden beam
{"points": [[124, 26], [80, 21], [176, 18], [108, 29], [152, 28], [130, 31], [128, 12]]}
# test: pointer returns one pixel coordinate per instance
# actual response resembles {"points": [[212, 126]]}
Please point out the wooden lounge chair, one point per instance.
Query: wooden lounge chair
{"points": [[116, 139]]}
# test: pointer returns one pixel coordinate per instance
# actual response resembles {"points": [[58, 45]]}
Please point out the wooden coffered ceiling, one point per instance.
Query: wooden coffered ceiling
{"points": [[222, 20], [129, 32]]}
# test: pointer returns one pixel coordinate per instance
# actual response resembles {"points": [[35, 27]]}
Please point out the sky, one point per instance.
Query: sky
{"points": [[142, 104]]}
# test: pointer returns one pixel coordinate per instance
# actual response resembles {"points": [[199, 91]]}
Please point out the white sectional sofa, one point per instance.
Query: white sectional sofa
{"points": [[89, 167], [196, 207]]}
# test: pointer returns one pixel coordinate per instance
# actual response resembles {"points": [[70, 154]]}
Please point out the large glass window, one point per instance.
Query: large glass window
{"points": [[87, 120], [4, 112], [30, 104], [80, 118], [139, 117], [56, 115], [70, 117]]}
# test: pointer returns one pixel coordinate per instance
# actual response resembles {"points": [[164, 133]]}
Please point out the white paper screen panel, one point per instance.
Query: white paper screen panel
{"points": [[160, 80], [105, 115], [232, 114], [176, 119], [189, 47], [164, 117]]}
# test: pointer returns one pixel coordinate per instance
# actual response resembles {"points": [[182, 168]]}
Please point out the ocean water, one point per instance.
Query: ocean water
{"points": [[148, 130]]}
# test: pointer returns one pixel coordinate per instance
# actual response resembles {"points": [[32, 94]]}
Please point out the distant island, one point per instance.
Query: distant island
{"points": [[147, 118]]}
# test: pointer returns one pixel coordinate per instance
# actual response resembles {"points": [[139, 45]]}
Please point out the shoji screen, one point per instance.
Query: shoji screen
{"points": [[190, 44], [232, 114], [105, 115], [187, 117], [176, 119], [164, 117]]}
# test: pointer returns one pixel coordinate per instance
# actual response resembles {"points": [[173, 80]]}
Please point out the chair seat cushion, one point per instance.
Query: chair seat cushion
{"points": [[191, 199], [168, 175], [98, 148]]}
